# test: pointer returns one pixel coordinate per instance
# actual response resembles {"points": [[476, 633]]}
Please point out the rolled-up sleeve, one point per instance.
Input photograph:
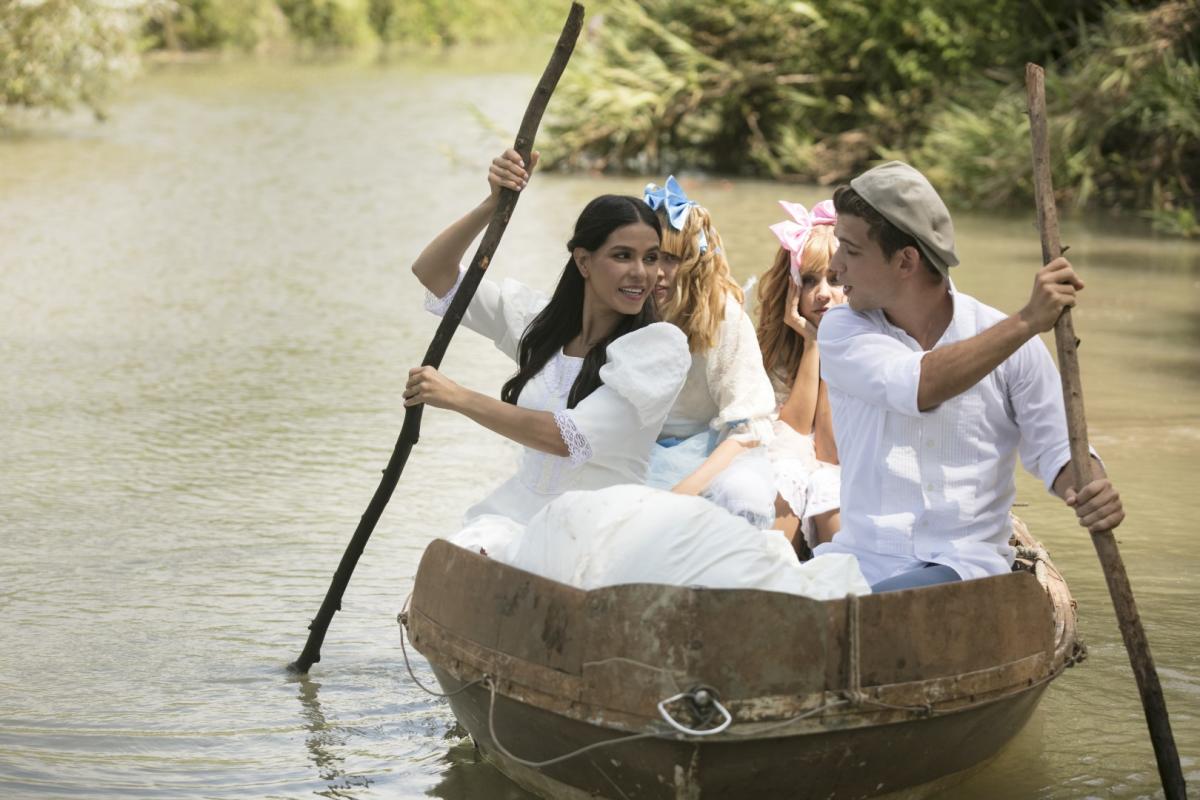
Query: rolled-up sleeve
{"points": [[860, 360]]}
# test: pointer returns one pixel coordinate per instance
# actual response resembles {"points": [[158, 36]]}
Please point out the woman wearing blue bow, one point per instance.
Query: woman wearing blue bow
{"points": [[596, 372], [723, 413]]}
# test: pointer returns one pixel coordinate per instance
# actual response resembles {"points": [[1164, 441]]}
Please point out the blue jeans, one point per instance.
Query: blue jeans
{"points": [[927, 575]]}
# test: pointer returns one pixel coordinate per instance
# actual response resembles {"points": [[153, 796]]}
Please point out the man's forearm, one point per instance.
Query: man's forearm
{"points": [[949, 371]]}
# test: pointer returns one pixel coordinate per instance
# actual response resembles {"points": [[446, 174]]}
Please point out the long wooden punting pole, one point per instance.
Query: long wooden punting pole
{"points": [[410, 431], [1106, 544]]}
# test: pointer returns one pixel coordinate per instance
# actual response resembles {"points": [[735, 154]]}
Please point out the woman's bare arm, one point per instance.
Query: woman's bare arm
{"points": [[823, 442], [535, 429], [800, 408], [437, 265], [718, 460]]}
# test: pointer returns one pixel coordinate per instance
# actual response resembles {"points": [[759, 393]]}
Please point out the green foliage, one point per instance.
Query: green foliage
{"points": [[215, 24], [61, 53], [1124, 112], [819, 90], [448, 22], [330, 23], [773, 86], [343, 24]]}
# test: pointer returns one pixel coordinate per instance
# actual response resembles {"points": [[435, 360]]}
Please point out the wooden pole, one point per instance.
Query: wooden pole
{"points": [[1106, 544], [409, 432]]}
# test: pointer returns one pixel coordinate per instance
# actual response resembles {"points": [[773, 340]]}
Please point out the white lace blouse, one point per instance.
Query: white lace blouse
{"points": [[609, 433], [727, 388]]}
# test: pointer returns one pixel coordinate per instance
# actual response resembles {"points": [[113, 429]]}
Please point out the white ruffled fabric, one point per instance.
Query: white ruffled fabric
{"points": [[727, 389], [635, 534], [500, 311], [746, 488], [609, 433], [810, 487]]}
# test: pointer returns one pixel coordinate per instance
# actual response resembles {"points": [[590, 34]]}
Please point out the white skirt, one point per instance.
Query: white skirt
{"points": [[634, 534], [810, 487]]}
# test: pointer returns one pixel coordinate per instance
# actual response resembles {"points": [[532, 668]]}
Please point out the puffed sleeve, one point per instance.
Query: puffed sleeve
{"points": [[500, 311], [864, 362], [738, 382], [641, 379]]}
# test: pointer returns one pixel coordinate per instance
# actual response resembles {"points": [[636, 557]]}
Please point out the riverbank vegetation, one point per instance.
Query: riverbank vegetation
{"points": [[190, 25], [800, 91], [818, 91], [62, 54]]}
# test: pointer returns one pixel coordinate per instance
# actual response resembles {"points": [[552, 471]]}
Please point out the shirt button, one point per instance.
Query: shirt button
{"points": [[929, 486], [929, 442]]}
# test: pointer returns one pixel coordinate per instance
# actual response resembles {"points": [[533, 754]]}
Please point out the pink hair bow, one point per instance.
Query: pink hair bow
{"points": [[793, 235]]}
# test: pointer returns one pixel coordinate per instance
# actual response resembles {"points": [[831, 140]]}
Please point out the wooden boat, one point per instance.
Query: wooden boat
{"points": [[837, 700]]}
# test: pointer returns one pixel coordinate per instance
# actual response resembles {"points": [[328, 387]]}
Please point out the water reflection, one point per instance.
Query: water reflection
{"points": [[466, 775], [325, 743]]}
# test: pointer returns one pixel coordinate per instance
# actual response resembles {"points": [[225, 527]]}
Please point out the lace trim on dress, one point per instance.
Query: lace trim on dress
{"points": [[440, 305], [560, 374], [577, 443]]}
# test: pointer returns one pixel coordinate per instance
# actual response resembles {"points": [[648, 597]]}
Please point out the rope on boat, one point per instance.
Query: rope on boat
{"points": [[557, 759], [404, 651]]}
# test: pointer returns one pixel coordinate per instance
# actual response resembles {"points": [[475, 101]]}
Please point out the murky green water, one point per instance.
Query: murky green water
{"points": [[206, 316]]}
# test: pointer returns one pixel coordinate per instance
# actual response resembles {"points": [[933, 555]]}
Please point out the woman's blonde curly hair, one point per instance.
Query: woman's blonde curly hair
{"points": [[696, 300], [782, 346]]}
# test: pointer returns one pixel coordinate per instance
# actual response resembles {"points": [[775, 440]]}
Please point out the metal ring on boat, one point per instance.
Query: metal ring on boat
{"points": [[711, 698]]}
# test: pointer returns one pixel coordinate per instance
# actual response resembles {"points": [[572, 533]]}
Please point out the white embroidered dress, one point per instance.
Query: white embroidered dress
{"points": [[609, 433]]}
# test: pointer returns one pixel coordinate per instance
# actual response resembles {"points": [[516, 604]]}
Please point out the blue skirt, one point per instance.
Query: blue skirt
{"points": [[672, 459]]}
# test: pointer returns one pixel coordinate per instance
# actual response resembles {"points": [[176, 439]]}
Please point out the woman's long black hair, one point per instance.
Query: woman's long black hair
{"points": [[562, 318]]}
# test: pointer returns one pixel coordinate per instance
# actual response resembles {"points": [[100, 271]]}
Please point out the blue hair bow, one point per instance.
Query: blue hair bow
{"points": [[677, 205]]}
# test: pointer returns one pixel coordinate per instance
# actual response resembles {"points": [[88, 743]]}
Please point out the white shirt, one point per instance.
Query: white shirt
{"points": [[727, 388], [934, 486], [609, 433]]}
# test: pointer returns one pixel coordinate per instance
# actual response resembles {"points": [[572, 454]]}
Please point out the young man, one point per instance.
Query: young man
{"points": [[934, 394]]}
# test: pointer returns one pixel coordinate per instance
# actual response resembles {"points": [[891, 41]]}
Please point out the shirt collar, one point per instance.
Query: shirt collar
{"points": [[960, 327]]}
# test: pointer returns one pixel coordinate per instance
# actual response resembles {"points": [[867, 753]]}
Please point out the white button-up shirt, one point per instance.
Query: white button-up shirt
{"points": [[934, 486]]}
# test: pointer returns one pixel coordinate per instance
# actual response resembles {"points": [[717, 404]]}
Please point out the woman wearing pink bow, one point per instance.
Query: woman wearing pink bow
{"points": [[793, 296]]}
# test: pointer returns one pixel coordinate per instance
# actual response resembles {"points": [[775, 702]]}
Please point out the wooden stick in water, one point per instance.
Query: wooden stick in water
{"points": [[410, 431], [1106, 544]]}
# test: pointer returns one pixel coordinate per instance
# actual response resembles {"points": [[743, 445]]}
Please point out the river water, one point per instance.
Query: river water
{"points": [[206, 317]]}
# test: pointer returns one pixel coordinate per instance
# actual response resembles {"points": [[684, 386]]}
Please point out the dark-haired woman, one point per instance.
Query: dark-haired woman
{"points": [[597, 373]]}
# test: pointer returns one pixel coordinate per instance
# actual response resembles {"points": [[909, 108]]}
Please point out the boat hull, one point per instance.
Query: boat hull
{"points": [[837, 699], [845, 764]]}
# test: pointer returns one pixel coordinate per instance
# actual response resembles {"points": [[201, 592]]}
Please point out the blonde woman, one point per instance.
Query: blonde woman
{"points": [[724, 411], [793, 296]]}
